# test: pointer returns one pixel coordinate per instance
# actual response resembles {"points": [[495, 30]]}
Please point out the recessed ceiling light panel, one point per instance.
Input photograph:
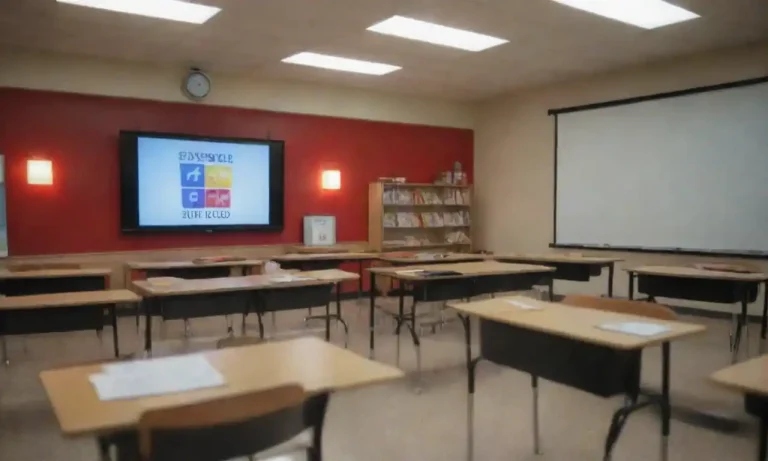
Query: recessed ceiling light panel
{"points": [[414, 29], [172, 10], [648, 14], [325, 61]]}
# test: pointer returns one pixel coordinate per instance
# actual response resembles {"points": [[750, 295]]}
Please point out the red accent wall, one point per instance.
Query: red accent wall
{"points": [[79, 133]]}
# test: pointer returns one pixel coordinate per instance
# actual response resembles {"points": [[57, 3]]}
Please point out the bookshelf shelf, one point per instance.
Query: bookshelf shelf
{"points": [[419, 216]]}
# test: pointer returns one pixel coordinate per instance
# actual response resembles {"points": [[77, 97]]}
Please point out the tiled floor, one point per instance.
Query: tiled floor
{"points": [[392, 422]]}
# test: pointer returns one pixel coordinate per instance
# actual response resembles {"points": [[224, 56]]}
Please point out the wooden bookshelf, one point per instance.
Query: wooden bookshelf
{"points": [[419, 216]]}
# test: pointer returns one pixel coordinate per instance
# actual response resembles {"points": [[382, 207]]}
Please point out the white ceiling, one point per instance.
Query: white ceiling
{"points": [[548, 41]]}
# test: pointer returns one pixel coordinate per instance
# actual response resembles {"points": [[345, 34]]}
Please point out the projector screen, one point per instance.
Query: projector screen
{"points": [[684, 172], [181, 182]]}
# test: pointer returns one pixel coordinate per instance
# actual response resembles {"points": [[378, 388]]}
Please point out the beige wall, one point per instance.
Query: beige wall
{"points": [[514, 160], [77, 74]]}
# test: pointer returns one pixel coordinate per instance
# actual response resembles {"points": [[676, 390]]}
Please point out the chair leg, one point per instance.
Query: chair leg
{"points": [[103, 446], [536, 438]]}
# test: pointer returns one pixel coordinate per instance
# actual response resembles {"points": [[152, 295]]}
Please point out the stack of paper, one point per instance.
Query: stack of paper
{"points": [[523, 305], [644, 329], [144, 378]]}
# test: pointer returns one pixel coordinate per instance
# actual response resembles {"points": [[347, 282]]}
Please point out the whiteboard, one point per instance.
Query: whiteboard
{"points": [[681, 173]]}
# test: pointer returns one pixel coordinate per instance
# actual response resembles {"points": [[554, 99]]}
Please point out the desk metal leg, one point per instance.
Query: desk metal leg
{"points": [[610, 279], [764, 322], [372, 296], [536, 438], [116, 343], [338, 301], [147, 326], [403, 321], [466, 323], [4, 346], [762, 449], [360, 280], [666, 408], [551, 288], [328, 322], [631, 286], [740, 324], [398, 325]]}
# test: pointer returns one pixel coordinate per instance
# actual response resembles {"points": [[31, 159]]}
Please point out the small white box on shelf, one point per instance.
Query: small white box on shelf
{"points": [[319, 230]]}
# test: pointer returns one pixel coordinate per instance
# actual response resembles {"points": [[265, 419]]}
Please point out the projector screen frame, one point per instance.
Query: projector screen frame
{"points": [[129, 183], [634, 100]]}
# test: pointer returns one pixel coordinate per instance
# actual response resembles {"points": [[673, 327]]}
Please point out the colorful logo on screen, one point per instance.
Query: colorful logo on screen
{"points": [[206, 186]]}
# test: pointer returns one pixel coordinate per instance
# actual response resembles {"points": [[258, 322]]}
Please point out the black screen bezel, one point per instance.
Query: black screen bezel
{"points": [[129, 184]]}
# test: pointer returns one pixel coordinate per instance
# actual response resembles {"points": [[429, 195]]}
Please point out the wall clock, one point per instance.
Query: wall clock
{"points": [[196, 85]]}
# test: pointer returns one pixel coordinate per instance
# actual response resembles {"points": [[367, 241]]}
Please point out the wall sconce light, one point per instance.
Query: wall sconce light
{"points": [[331, 180], [40, 172]]}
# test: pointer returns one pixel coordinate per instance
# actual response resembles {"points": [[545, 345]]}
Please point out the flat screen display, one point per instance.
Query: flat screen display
{"points": [[181, 182]]}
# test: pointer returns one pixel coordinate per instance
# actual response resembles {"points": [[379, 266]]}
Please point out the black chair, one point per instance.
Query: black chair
{"points": [[231, 427]]}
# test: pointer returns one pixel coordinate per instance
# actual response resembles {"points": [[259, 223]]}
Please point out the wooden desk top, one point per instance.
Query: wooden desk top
{"points": [[325, 256], [468, 269], [305, 249], [309, 362], [169, 286], [557, 258], [55, 273], [692, 272], [144, 265], [748, 377], [398, 258], [80, 298], [573, 322]]}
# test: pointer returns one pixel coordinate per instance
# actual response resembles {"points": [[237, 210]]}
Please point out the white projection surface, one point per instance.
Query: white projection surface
{"points": [[681, 173]]}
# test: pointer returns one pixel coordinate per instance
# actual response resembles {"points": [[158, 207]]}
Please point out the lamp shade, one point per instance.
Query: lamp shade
{"points": [[331, 179], [40, 172]]}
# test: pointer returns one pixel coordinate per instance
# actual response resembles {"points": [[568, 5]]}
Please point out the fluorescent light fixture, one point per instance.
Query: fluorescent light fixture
{"points": [[648, 14], [413, 29], [325, 61], [173, 10]]}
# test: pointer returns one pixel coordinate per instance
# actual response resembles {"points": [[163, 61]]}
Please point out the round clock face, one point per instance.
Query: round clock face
{"points": [[197, 85]]}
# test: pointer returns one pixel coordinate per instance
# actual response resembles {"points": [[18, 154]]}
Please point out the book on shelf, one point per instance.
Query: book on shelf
{"points": [[456, 197], [426, 219]]}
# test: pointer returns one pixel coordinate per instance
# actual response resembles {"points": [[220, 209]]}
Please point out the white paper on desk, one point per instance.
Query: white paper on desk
{"points": [[144, 378], [289, 278], [524, 305], [644, 329]]}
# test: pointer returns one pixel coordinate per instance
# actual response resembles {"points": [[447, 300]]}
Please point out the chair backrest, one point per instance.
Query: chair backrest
{"points": [[624, 306], [224, 428]]}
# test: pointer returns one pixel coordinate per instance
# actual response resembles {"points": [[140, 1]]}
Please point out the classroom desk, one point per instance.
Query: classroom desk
{"points": [[310, 249], [704, 285], [398, 259], [564, 344], [321, 368], [472, 279], [49, 313], [319, 261], [189, 269], [575, 268], [751, 379], [18, 283], [185, 299]]}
